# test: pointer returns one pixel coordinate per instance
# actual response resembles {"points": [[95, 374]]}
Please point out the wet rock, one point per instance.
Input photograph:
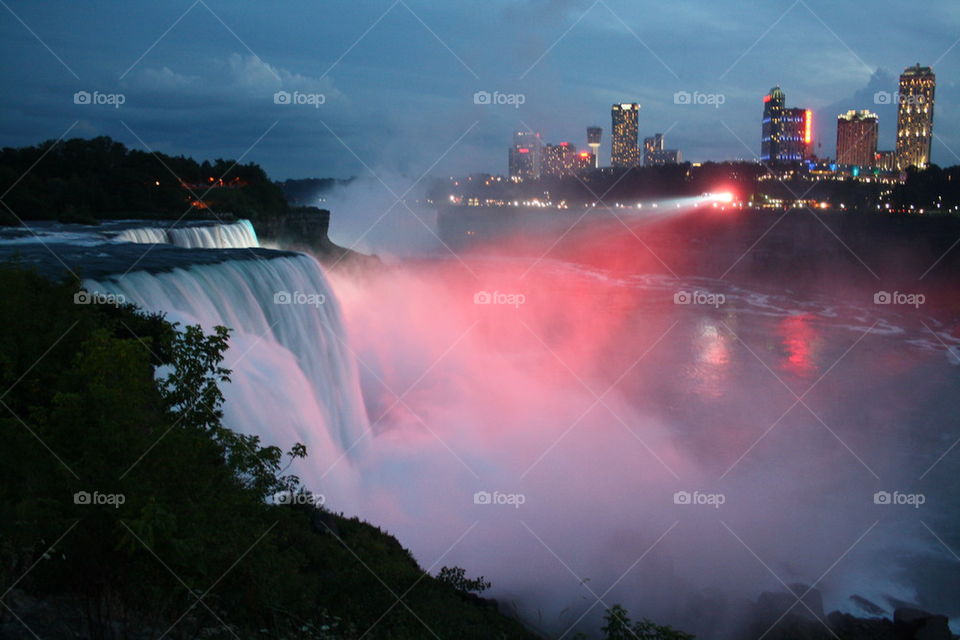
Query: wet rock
{"points": [[867, 606], [772, 605]]}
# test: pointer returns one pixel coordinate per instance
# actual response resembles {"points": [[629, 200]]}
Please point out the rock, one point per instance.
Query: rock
{"points": [[851, 627], [866, 605], [771, 605], [780, 616], [914, 624]]}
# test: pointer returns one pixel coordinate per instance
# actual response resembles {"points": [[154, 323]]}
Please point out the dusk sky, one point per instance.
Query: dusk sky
{"points": [[397, 78]]}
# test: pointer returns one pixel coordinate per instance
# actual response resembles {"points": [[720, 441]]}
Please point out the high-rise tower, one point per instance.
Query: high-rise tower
{"points": [[773, 108], [593, 141], [625, 138], [525, 156], [857, 138], [787, 134], [915, 116]]}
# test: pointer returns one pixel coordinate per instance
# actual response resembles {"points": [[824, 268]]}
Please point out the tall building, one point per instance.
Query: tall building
{"points": [[654, 154], [773, 107], [526, 156], [886, 160], [667, 156], [585, 160], [593, 141], [650, 146], [915, 116], [787, 134], [563, 159], [857, 138], [625, 148]]}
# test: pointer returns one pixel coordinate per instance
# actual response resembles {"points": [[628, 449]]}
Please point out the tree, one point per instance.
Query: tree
{"points": [[619, 627], [456, 578]]}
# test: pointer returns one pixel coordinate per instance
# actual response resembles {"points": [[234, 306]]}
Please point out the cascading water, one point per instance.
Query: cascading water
{"points": [[502, 399], [294, 377], [236, 235], [144, 235]]}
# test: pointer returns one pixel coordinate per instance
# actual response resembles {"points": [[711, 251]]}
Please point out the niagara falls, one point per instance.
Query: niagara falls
{"points": [[535, 319]]}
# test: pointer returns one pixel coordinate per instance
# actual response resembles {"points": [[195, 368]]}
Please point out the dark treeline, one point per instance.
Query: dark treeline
{"points": [[931, 188], [82, 180]]}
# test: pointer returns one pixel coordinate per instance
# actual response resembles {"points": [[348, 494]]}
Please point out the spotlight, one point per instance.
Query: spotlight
{"points": [[725, 196]]}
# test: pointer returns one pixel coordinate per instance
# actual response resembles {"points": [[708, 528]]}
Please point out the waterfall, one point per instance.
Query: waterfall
{"points": [[144, 235], [235, 235], [294, 377]]}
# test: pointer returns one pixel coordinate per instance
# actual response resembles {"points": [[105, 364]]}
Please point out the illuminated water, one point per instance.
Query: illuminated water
{"points": [[582, 405]]}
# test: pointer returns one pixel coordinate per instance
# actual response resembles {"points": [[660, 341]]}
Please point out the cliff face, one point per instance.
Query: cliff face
{"points": [[306, 229]]}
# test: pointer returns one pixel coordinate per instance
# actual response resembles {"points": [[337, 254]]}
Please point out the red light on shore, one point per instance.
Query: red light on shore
{"points": [[564, 144], [766, 98], [523, 150], [584, 154], [808, 132]]}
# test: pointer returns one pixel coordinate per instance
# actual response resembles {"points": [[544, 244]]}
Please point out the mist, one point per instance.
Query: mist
{"points": [[586, 399], [379, 213]]}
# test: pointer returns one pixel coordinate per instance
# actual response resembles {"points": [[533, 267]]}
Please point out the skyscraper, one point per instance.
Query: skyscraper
{"points": [[915, 116], [773, 107], [593, 141], [655, 155], [526, 156], [625, 148], [787, 134], [560, 160], [650, 146], [857, 138]]}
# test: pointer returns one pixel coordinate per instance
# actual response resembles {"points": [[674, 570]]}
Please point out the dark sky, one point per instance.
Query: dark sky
{"points": [[398, 78]]}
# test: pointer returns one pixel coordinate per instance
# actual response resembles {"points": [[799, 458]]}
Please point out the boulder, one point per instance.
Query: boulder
{"points": [[914, 624], [771, 605]]}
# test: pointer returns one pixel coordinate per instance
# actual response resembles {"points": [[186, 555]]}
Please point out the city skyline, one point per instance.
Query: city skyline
{"points": [[787, 133], [398, 76]]}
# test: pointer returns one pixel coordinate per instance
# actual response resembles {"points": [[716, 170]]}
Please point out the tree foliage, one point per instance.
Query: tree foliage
{"points": [[618, 626], [456, 578], [126, 499], [85, 180]]}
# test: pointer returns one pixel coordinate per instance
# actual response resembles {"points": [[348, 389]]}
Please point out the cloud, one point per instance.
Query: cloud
{"points": [[237, 76]]}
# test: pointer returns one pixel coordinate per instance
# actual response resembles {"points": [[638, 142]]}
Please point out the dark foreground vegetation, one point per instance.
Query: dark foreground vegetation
{"points": [[82, 180], [127, 509]]}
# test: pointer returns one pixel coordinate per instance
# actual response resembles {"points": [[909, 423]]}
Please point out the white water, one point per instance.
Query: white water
{"points": [[236, 235], [478, 413], [294, 377]]}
